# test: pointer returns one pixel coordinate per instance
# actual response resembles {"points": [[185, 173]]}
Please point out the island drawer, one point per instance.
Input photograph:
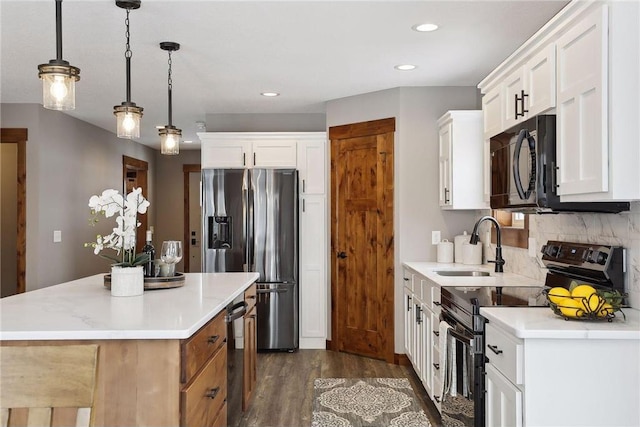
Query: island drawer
{"points": [[505, 352], [204, 397], [201, 346]]}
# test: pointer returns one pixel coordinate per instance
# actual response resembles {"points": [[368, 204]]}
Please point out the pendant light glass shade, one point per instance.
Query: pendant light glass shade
{"points": [[128, 120], [58, 77], [170, 140], [170, 135], [128, 114]]}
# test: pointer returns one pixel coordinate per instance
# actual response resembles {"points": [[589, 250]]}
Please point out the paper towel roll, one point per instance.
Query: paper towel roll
{"points": [[445, 251], [471, 254]]}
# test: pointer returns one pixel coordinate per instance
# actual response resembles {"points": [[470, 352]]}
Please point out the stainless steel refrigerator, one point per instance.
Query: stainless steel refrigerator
{"points": [[250, 223]]}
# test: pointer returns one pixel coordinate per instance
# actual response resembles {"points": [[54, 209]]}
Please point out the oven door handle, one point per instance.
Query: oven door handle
{"points": [[524, 134]]}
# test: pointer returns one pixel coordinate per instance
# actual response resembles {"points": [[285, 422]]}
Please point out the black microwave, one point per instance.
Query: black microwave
{"points": [[523, 171]]}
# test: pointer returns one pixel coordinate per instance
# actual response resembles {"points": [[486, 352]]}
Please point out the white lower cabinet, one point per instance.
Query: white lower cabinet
{"points": [[570, 382], [313, 272], [421, 324], [503, 400]]}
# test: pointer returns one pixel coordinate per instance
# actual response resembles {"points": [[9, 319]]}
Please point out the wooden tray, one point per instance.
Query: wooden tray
{"points": [[175, 281]]}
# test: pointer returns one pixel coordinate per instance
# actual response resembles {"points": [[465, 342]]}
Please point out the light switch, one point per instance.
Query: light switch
{"points": [[435, 237], [57, 236]]}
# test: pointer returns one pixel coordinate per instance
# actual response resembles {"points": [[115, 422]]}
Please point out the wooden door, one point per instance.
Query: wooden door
{"points": [[134, 173], [16, 272], [362, 238]]}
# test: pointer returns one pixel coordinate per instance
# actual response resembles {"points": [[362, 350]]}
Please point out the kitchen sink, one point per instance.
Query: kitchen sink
{"points": [[463, 273]]}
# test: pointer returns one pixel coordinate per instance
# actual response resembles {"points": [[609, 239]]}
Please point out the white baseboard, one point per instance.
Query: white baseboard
{"points": [[313, 343]]}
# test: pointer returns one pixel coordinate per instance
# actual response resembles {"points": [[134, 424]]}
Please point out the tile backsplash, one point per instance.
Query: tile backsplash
{"points": [[621, 229]]}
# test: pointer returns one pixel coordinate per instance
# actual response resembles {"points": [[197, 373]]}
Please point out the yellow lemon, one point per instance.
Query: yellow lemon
{"points": [[571, 307], [587, 296], [605, 310], [558, 294]]}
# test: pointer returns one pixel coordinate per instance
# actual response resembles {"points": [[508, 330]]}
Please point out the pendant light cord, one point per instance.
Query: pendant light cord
{"points": [[59, 30], [170, 85], [127, 55]]}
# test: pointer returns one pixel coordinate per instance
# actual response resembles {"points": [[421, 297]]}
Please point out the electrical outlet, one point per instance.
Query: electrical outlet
{"points": [[57, 236], [435, 237]]}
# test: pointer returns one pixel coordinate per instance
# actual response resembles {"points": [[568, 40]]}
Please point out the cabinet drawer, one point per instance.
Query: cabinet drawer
{"points": [[221, 419], [436, 369], [201, 346], [250, 297], [435, 300], [204, 397], [505, 352]]}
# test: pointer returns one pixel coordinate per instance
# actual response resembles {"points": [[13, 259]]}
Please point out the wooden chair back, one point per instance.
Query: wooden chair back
{"points": [[47, 385]]}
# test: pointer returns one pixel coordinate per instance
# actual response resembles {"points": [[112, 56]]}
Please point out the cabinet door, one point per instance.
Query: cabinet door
{"points": [[540, 81], [274, 154], [445, 137], [225, 154], [418, 333], [427, 363], [313, 262], [250, 356], [503, 403], [582, 132], [408, 323], [312, 166], [492, 109], [513, 86]]}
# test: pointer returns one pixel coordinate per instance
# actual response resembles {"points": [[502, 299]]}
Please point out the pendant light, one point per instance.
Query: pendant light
{"points": [[128, 114], [170, 135], [58, 77]]}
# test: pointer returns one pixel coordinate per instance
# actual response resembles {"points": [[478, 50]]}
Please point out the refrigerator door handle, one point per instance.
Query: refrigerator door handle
{"points": [[247, 228], [270, 291]]}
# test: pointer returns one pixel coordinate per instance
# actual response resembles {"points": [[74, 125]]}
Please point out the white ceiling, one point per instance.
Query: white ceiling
{"points": [[309, 51]]}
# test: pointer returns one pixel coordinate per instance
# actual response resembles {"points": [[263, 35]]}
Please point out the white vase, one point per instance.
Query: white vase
{"points": [[127, 281]]}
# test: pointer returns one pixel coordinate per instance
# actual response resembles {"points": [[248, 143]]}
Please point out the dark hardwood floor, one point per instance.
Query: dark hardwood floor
{"points": [[284, 395]]}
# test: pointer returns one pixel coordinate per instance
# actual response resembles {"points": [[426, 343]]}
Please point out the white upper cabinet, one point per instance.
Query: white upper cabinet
{"points": [[492, 109], [583, 66], [461, 145], [582, 129], [312, 166], [239, 150], [531, 88]]}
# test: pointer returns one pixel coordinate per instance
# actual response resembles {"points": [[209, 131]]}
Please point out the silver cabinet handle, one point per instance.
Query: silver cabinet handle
{"points": [[212, 339]]}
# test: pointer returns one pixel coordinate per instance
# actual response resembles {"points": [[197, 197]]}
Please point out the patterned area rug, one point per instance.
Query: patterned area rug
{"points": [[366, 402]]}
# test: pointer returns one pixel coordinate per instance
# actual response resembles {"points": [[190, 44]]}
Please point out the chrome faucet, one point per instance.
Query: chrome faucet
{"points": [[499, 261]]}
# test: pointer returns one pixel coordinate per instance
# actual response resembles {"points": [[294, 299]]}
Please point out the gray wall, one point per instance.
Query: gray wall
{"points": [[170, 198], [416, 207], [265, 122], [68, 161]]}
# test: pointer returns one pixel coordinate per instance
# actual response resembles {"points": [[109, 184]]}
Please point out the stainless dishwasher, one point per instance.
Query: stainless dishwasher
{"points": [[235, 359]]}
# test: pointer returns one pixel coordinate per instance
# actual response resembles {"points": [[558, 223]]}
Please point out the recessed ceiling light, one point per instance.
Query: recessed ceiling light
{"points": [[425, 27], [271, 94], [187, 141], [405, 67]]}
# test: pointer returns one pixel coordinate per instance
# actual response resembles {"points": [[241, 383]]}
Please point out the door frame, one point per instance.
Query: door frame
{"points": [[20, 136], [130, 163], [355, 130], [186, 170]]}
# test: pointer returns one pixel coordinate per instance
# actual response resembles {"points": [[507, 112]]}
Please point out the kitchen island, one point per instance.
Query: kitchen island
{"points": [[543, 370], [151, 346]]}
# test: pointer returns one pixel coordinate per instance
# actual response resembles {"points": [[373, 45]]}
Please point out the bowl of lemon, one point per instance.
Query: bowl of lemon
{"points": [[585, 302]]}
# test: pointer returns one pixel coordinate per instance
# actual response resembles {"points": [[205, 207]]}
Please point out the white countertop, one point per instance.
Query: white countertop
{"points": [[84, 309], [542, 323], [428, 270]]}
